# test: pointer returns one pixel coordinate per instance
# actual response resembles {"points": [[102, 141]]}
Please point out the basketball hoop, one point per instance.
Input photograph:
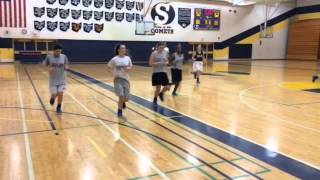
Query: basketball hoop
{"points": [[144, 28]]}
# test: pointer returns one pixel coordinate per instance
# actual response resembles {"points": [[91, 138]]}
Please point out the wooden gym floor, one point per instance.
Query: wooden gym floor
{"points": [[245, 120]]}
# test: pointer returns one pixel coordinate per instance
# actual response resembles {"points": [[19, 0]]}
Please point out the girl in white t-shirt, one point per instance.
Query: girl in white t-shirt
{"points": [[120, 65]]}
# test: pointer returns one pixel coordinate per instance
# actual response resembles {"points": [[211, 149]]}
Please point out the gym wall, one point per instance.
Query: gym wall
{"points": [[301, 3], [237, 25]]}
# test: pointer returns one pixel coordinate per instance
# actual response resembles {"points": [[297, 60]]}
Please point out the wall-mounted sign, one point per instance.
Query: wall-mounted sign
{"points": [[206, 19]]}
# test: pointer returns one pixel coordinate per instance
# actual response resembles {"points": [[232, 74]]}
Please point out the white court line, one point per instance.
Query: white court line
{"points": [[29, 120], [120, 138], [46, 104], [25, 130], [208, 124]]}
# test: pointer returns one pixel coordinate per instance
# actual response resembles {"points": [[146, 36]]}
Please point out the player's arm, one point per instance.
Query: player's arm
{"points": [[110, 64], [66, 63], [130, 64], [46, 62], [151, 60]]}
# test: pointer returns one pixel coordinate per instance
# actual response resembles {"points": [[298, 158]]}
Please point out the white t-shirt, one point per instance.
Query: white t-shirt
{"points": [[166, 49], [119, 66]]}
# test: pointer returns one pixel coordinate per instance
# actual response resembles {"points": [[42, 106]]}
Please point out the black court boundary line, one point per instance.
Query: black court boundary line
{"points": [[173, 132], [47, 130], [312, 90], [234, 72], [280, 161], [42, 104]]}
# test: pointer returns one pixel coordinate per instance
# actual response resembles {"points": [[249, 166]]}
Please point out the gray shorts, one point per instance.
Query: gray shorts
{"points": [[121, 87], [58, 89]]}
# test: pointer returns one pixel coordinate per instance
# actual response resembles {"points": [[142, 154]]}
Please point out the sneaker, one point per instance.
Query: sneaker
{"points": [[51, 101], [161, 96], [124, 106], [198, 81], [119, 113], [314, 78], [155, 101], [59, 111], [195, 75], [174, 94]]}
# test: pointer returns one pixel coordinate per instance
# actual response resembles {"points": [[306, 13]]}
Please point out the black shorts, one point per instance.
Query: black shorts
{"points": [[160, 78], [176, 75]]}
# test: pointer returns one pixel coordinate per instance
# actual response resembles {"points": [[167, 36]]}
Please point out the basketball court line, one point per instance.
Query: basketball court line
{"points": [[41, 102], [31, 174], [97, 147], [46, 104], [199, 166], [46, 130], [292, 166], [27, 120]]}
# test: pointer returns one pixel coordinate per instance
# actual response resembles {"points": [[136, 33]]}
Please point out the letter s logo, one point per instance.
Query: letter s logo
{"points": [[163, 13]]}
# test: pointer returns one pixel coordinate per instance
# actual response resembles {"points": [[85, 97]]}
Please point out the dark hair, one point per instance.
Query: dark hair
{"points": [[161, 43], [57, 46], [118, 46], [179, 48]]}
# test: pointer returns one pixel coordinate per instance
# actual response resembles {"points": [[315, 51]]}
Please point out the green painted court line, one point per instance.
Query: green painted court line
{"points": [[162, 144], [183, 169], [257, 173], [208, 140]]}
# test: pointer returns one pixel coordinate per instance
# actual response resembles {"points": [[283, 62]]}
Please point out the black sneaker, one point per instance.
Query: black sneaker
{"points": [[124, 106], [155, 101], [119, 114], [161, 96], [314, 78], [198, 81], [59, 111], [51, 101], [195, 75], [174, 94]]}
